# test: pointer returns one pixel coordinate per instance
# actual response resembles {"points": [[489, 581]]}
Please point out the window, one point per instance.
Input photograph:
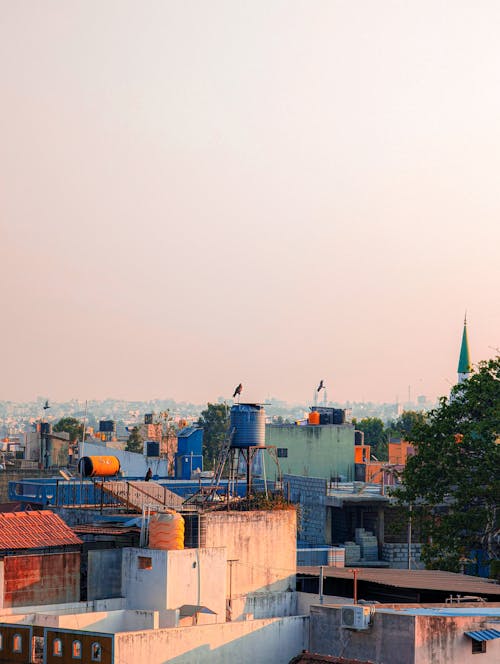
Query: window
{"points": [[478, 647], [282, 451], [57, 647], [144, 562], [77, 650], [17, 643], [95, 652]]}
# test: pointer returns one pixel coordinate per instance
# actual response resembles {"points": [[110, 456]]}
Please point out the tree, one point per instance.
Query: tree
{"points": [[375, 435], [135, 442], [453, 481], [406, 423], [215, 421], [70, 425]]}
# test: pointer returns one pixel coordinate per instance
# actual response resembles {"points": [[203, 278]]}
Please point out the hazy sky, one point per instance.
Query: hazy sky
{"points": [[198, 193]]}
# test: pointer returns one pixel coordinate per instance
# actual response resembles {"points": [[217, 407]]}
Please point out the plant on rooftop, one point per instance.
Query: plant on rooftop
{"points": [[135, 442], [453, 480]]}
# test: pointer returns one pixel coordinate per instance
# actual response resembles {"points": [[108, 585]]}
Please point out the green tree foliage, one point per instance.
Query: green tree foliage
{"points": [[375, 436], [453, 481], [70, 425], [406, 423], [135, 442], [215, 421]]}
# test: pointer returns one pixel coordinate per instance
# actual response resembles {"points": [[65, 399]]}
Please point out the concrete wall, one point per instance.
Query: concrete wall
{"points": [[309, 493], [37, 579], [19, 613], [313, 451], [389, 641], [132, 464], [269, 641], [441, 640], [191, 576], [265, 605], [262, 546], [104, 576], [402, 638]]}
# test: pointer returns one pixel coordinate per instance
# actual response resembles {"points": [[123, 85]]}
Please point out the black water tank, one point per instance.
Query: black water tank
{"points": [[148, 418], [107, 426], [152, 448], [359, 437], [338, 416]]}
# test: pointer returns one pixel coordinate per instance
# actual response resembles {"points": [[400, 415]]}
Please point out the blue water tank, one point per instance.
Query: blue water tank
{"points": [[249, 422]]}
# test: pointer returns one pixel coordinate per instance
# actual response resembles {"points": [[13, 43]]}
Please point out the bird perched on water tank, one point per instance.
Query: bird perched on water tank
{"points": [[320, 386], [237, 390]]}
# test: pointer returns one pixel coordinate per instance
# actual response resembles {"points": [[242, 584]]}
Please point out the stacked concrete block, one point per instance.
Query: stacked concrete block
{"points": [[352, 553], [397, 555], [368, 544]]}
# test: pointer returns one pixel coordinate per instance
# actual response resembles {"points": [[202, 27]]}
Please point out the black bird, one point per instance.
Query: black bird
{"points": [[237, 391], [320, 386], [46, 405]]}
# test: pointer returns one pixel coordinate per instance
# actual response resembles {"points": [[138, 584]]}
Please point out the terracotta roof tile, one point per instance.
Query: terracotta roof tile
{"points": [[34, 530]]}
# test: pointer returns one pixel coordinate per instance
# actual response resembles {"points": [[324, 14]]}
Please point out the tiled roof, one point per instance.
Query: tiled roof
{"points": [[34, 530]]}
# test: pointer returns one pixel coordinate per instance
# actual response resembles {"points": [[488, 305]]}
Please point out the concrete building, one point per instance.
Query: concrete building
{"points": [[402, 634], [324, 451]]}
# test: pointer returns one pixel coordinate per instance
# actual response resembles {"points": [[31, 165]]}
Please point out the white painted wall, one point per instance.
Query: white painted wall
{"points": [[268, 641], [68, 608], [132, 464], [190, 576], [262, 544], [265, 605]]}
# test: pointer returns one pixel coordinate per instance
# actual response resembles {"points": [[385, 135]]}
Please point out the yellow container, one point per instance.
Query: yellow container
{"points": [[166, 531]]}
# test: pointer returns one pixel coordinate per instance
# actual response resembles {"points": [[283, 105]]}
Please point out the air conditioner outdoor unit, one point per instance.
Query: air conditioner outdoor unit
{"points": [[355, 617]]}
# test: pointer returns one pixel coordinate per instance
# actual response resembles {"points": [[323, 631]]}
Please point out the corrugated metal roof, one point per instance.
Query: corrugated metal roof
{"points": [[484, 634], [34, 530], [400, 578]]}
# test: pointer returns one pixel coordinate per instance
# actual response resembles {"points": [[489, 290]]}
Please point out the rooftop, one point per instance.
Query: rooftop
{"points": [[401, 578], [34, 530]]}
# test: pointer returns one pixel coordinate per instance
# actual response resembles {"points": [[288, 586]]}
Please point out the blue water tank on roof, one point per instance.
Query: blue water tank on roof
{"points": [[249, 422]]}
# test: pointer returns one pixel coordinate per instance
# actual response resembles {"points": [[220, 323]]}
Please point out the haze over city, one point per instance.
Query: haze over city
{"points": [[197, 194]]}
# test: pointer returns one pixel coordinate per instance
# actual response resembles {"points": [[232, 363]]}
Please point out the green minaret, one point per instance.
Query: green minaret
{"points": [[464, 363]]}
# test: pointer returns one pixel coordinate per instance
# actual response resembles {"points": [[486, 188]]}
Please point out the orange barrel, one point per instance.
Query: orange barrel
{"points": [[166, 531], [336, 557], [313, 417], [102, 466]]}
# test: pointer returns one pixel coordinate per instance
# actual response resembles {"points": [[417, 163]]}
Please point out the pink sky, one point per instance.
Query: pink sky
{"points": [[195, 194]]}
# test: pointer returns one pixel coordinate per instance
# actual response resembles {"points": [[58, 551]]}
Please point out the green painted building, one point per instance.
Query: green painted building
{"points": [[324, 451]]}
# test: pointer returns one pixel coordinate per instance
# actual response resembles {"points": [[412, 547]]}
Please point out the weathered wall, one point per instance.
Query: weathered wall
{"points": [[262, 546], [270, 641], [313, 451], [19, 613], [104, 575], [309, 493], [197, 576], [265, 605], [40, 579], [441, 640], [191, 576], [389, 641], [402, 638]]}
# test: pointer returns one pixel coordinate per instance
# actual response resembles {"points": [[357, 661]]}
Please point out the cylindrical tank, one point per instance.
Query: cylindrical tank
{"points": [[166, 531], [314, 417], [336, 557], [249, 422], [359, 437], [102, 466]]}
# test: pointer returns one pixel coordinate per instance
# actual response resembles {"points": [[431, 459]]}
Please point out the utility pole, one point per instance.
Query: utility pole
{"points": [[229, 610], [321, 580]]}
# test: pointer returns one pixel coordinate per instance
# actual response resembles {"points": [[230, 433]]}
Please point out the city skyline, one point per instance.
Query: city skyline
{"points": [[200, 194]]}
